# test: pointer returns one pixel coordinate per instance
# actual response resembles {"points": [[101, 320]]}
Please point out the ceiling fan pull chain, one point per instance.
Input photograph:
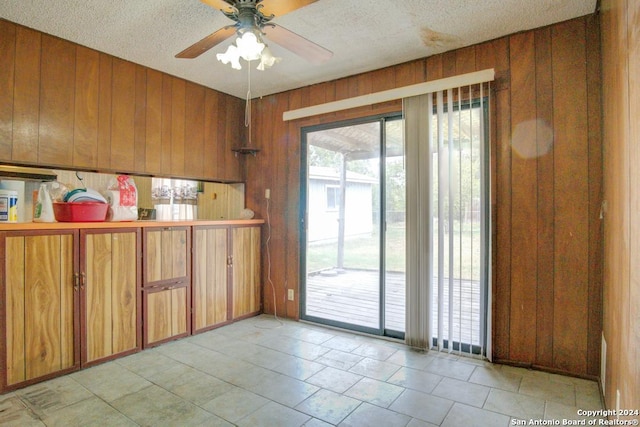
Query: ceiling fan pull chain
{"points": [[247, 107]]}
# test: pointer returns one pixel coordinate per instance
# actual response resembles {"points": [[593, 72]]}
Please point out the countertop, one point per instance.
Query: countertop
{"points": [[18, 226]]}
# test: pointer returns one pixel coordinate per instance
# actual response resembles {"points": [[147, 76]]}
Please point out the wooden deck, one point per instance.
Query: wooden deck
{"points": [[351, 296]]}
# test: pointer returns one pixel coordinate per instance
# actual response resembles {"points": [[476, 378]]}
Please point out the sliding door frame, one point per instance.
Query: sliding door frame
{"points": [[382, 119]]}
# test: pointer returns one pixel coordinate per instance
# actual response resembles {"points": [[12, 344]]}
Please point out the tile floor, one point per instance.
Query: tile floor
{"points": [[258, 373]]}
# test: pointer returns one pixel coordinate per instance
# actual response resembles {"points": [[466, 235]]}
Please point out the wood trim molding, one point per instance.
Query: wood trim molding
{"points": [[392, 94]]}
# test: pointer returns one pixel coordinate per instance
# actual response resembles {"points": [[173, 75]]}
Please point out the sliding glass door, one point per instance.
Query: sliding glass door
{"points": [[394, 227], [353, 190]]}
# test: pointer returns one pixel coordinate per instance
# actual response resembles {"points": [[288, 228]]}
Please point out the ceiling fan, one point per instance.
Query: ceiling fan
{"points": [[253, 21]]}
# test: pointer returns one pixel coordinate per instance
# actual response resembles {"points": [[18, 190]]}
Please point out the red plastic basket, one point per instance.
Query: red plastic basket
{"points": [[80, 211]]}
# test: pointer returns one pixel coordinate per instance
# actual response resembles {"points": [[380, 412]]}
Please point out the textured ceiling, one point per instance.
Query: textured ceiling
{"points": [[363, 34]]}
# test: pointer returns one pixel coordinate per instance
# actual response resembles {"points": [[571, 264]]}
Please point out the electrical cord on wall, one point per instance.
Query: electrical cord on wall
{"points": [[273, 288]]}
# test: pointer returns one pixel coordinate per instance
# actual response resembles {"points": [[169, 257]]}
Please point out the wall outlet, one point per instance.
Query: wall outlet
{"points": [[290, 294], [267, 193]]}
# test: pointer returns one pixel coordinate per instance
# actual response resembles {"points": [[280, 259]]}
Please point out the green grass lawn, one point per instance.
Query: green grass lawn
{"points": [[363, 252]]}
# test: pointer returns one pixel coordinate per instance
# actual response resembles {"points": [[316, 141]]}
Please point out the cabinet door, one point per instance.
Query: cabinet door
{"points": [[246, 271], [110, 293], [166, 283], [41, 311], [210, 277], [166, 255], [165, 314]]}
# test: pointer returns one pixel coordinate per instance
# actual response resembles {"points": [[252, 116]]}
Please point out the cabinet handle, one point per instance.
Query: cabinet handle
{"points": [[83, 280], [76, 281], [230, 261]]}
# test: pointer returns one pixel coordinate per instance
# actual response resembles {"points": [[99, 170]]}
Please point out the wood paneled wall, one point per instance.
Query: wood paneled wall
{"points": [[620, 20], [68, 106], [546, 185], [221, 201]]}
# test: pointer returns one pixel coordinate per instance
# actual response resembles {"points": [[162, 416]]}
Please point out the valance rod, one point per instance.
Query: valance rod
{"points": [[392, 94]]}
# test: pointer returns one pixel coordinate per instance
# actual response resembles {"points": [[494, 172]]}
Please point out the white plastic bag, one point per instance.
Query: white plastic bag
{"points": [[122, 196]]}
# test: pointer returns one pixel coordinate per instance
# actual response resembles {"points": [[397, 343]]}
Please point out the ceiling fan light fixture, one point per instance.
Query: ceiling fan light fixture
{"points": [[267, 59], [231, 56], [249, 46]]}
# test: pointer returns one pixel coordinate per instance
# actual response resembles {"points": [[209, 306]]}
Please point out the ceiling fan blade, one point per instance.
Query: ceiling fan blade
{"points": [[281, 7], [218, 4], [297, 44], [207, 43]]}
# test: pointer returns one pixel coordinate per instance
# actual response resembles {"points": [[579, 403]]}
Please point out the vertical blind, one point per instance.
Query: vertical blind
{"points": [[447, 219]]}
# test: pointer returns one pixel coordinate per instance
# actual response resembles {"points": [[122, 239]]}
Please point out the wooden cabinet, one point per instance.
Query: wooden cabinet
{"points": [[166, 284], [65, 105], [166, 313], [211, 264], [72, 298], [245, 270], [110, 288], [166, 255], [40, 311], [226, 275]]}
